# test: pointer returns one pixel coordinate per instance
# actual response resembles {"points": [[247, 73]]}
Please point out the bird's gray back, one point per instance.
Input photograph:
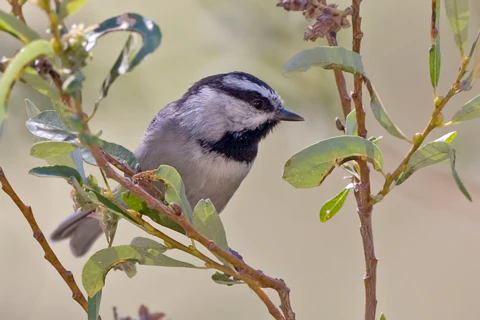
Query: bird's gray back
{"points": [[205, 174]]}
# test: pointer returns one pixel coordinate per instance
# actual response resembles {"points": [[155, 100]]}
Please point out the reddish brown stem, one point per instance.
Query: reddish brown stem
{"points": [[345, 98], [362, 187], [17, 10], [50, 256]]}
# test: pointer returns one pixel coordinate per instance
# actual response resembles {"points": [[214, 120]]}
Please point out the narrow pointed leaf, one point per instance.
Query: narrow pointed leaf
{"points": [[328, 58], [94, 306], [382, 317], [475, 60], [97, 267], [14, 70], [432, 153], [382, 116], [460, 185], [332, 206], [309, 167], [351, 127], [141, 207], [207, 221], [470, 111], [434, 52], [175, 189], [99, 199], [64, 172], [17, 28], [48, 125], [458, 14], [51, 149]]}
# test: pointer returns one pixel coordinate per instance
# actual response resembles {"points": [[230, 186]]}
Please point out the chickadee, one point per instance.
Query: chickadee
{"points": [[210, 136]]}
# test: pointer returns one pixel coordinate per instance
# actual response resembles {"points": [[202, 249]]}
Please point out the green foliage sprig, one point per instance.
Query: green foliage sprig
{"points": [[309, 167]]}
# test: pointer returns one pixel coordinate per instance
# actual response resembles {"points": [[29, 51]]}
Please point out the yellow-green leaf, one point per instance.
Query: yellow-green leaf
{"points": [[97, 267], [22, 59], [175, 189], [328, 58], [67, 7], [458, 14], [309, 167], [51, 149], [434, 52], [17, 28], [332, 206], [470, 111], [207, 221]]}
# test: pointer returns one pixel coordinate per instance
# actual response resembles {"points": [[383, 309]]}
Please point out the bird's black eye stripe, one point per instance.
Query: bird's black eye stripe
{"points": [[253, 98]]}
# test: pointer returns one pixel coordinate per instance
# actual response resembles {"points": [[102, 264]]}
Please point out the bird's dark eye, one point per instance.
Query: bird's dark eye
{"points": [[258, 103]]}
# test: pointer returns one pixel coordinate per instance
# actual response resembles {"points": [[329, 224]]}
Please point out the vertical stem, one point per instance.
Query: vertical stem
{"points": [[362, 187], [340, 80]]}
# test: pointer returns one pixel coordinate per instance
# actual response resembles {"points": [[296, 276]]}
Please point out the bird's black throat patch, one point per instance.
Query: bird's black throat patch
{"points": [[241, 146]]}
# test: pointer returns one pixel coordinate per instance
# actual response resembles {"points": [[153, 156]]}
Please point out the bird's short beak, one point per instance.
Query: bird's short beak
{"points": [[283, 114]]}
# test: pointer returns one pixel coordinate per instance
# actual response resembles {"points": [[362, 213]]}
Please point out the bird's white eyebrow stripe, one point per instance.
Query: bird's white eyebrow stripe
{"points": [[245, 84]]}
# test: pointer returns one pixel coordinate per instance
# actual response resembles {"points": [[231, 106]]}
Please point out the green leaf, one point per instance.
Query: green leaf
{"points": [[351, 127], [64, 172], [32, 110], [207, 221], [470, 111], [131, 55], [328, 58], [48, 125], [99, 199], [51, 149], [17, 28], [140, 206], [458, 14], [94, 306], [475, 56], [67, 7], [432, 153], [382, 317], [120, 153], [309, 167], [348, 61], [332, 206], [31, 78], [382, 116], [97, 267], [222, 278], [148, 243], [175, 189], [14, 69], [434, 52], [460, 185]]}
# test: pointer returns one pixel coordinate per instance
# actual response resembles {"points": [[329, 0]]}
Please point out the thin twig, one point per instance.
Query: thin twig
{"points": [[117, 164], [440, 103], [270, 306], [362, 187], [50, 256], [17, 10], [345, 98]]}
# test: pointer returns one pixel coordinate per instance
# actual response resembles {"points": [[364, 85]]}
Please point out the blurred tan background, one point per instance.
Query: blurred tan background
{"points": [[427, 235]]}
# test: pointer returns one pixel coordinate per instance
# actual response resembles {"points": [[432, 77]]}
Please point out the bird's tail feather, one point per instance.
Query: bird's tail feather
{"points": [[81, 229]]}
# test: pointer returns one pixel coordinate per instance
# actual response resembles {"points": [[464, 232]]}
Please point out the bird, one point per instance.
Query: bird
{"points": [[210, 136]]}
